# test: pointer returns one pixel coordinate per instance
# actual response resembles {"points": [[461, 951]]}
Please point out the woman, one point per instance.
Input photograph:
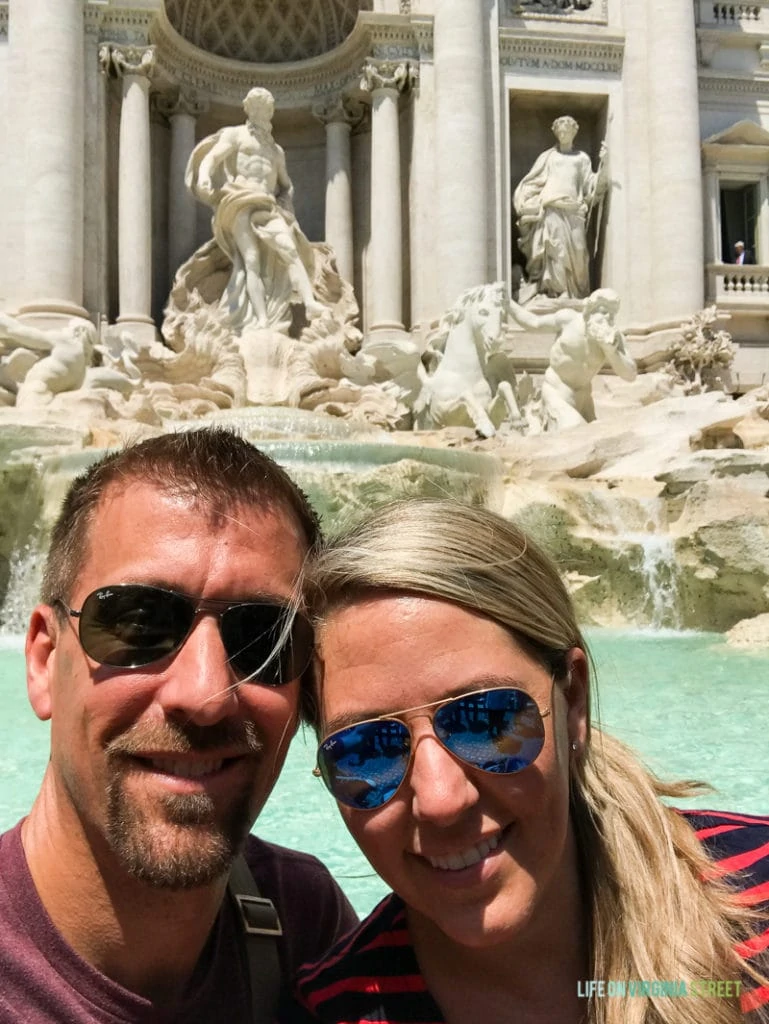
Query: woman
{"points": [[530, 855]]}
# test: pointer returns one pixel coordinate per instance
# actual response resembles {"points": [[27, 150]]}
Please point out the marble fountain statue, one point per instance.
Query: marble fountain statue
{"points": [[649, 488]]}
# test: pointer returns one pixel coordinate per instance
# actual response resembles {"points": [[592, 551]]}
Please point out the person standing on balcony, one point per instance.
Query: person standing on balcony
{"points": [[741, 254]]}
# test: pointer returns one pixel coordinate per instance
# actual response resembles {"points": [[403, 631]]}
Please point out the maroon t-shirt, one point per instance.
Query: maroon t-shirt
{"points": [[44, 981]]}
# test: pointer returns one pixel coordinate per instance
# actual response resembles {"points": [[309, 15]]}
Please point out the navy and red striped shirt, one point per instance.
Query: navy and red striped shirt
{"points": [[372, 975]]}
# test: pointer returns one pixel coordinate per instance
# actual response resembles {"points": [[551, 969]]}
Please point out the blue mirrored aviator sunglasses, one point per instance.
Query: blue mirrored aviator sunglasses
{"points": [[499, 731], [131, 625]]}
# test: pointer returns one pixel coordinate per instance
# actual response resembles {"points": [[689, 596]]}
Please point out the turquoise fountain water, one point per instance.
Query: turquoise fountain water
{"points": [[690, 705]]}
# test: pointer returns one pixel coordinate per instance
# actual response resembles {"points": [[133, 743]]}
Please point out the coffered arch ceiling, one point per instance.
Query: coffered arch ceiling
{"points": [[265, 31]]}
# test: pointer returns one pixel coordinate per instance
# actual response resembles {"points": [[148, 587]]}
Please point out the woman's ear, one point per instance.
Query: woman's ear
{"points": [[40, 645], [576, 694]]}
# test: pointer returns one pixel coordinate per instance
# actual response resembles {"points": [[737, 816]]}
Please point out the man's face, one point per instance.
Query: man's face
{"points": [[165, 767]]}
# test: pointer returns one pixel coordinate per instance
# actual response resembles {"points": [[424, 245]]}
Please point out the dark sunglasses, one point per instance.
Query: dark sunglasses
{"points": [[131, 625], [499, 731]]}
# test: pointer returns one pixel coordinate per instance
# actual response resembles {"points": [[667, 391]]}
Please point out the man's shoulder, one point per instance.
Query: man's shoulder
{"points": [[264, 856], [313, 910]]}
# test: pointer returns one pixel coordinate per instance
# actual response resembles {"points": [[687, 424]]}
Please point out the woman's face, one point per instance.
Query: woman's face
{"points": [[389, 653]]}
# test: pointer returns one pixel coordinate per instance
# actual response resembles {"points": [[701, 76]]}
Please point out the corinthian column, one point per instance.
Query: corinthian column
{"points": [[339, 117], [461, 146], [135, 65], [677, 232], [385, 80], [182, 111], [47, 97]]}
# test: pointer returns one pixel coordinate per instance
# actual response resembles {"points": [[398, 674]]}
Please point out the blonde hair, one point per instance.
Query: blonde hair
{"points": [[651, 916]]}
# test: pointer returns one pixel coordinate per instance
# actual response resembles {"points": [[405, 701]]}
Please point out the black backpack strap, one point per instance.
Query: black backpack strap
{"points": [[261, 926]]}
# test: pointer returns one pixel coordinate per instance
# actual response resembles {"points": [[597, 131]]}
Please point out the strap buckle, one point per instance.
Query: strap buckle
{"points": [[258, 915]]}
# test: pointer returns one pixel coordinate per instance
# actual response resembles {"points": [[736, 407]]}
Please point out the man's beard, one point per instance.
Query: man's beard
{"points": [[187, 844]]}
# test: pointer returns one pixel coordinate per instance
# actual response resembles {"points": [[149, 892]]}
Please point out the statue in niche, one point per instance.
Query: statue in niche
{"points": [[260, 295], [240, 172], [585, 342], [466, 379], [554, 202]]}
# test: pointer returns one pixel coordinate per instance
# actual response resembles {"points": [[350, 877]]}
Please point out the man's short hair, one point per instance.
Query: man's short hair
{"points": [[215, 468]]}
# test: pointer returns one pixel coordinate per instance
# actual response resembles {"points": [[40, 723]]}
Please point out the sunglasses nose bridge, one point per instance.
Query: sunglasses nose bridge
{"points": [[200, 685], [442, 788]]}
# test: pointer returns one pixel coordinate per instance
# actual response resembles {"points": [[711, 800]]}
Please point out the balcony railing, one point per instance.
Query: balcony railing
{"points": [[729, 285], [720, 15]]}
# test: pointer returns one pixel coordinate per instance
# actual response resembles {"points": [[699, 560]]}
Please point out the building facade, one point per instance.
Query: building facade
{"points": [[407, 125]]}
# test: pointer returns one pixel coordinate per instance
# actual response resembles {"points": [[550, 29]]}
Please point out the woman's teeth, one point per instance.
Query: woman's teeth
{"points": [[457, 861]]}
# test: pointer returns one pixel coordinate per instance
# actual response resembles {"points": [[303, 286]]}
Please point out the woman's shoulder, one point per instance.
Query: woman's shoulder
{"points": [[385, 928], [737, 843], [371, 974]]}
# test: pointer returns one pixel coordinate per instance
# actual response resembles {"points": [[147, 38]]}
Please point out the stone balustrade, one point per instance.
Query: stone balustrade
{"points": [[739, 286], [723, 15]]}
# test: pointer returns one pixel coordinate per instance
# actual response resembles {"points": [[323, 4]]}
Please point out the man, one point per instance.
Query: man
{"points": [[584, 343], [168, 659], [741, 254], [553, 203], [241, 173]]}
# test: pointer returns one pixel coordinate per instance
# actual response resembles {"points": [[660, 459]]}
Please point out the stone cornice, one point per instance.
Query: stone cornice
{"points": [[93, 13], [127, 26], [298, 84], [714, 83], [575, 53]]}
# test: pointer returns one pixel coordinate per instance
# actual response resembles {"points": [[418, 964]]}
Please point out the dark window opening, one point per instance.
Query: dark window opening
{"points": [[739, 219]]}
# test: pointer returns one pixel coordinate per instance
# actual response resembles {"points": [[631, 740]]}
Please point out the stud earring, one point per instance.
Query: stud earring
{"points": [[574, 746]]}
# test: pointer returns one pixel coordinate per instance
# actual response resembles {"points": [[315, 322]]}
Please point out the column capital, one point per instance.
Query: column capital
{"points": [[397, 76], [105, 58], [133, 60], [340, 110], [181, 102]]}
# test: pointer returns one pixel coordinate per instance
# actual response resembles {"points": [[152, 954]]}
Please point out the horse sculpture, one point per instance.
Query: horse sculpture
{"points": [[466, 379]]}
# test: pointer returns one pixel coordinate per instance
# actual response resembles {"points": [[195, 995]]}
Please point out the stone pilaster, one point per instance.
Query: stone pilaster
{"points": [[339, 116], [712, 213], [182, 111], [385, 81], [677, 233], [762, 255], [135, 65], [47, 96], [462, 146]]}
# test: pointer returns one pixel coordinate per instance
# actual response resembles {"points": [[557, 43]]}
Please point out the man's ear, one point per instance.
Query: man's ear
{"points": [[576, 694], [42, 637]]}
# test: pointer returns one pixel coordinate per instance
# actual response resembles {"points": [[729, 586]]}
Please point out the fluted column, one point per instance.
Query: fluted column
{"points": [[677, 233], [47, 97], [385, 80], [461, 146], [339, 117], [182, 111], [135, 65]]}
